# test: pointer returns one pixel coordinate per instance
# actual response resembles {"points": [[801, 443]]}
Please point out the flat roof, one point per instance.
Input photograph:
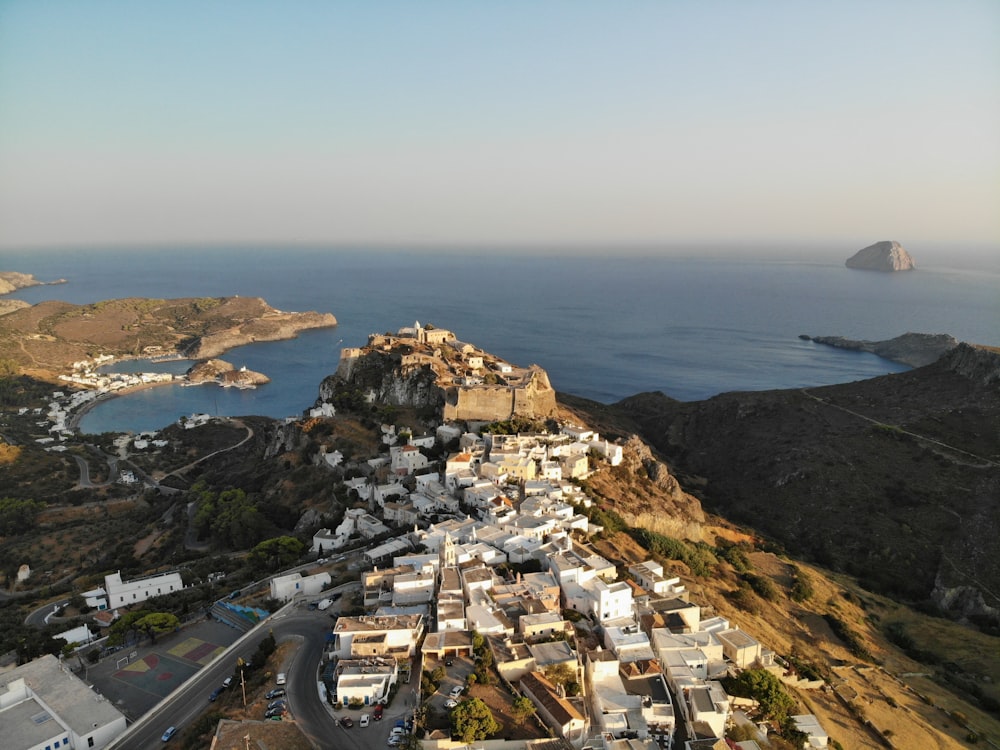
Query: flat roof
{"points": [[65, 694]]}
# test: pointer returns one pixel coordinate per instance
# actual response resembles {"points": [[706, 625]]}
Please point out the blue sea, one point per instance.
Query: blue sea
{"points": [[604, 325]]}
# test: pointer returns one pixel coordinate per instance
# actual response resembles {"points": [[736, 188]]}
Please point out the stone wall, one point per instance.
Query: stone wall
{"points": [[497, 402]]}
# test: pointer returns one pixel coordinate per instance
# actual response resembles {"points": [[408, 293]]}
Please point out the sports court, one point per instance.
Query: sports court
{"points": [[158, 674], [196, 650]]}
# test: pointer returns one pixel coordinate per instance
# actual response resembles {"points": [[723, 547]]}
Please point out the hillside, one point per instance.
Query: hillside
{"points": [[894, 480], [46, 338]]}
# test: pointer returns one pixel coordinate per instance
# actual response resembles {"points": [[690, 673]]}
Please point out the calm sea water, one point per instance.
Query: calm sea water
{"points": [[603, 327]]}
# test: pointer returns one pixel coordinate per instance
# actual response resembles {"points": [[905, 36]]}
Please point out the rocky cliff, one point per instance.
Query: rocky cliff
{"points": [[402, 371], [379, 377], [882, 256]]}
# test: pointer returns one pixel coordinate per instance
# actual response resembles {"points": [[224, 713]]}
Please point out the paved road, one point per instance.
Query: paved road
{"points": [[307, 629], [189, 703]]}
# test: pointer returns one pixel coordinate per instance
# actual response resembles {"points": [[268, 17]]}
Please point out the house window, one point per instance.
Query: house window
{"points": [[90, 742]]}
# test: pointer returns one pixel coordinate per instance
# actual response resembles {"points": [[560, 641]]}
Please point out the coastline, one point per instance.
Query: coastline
{"points": [[73, 423]]}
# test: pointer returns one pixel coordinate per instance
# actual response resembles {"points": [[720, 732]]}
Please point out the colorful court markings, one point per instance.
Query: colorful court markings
{"points": [[155, 674], [196, 650]]}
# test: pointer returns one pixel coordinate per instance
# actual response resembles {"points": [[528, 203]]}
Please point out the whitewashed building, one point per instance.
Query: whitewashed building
{"points": [[42, 705], [123, 593]]}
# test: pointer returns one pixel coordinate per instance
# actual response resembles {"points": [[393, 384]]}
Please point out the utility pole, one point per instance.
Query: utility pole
{"points": [[243, 685]]}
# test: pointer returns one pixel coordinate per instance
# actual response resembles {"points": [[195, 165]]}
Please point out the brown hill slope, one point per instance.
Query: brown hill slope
{"points": [[48, 337], [895, 480]]}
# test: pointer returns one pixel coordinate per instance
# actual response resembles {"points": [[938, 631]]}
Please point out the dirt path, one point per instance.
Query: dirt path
{"points": [[984, 462]]}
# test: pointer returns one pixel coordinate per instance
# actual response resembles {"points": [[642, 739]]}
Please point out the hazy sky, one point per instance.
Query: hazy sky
{"points": [[498, 123]]}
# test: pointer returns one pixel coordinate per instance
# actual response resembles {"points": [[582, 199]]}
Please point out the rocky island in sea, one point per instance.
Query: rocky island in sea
{"points": [[225, 374], [887, 256]]}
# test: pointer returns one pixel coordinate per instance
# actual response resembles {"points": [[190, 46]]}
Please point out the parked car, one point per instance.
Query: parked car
{"points": [[364, 720], [227, 682], [450, 703], [216, 693], [325, 604], [276, 693], [448, 662], [276, 704], [346, 722], [171, 731], [279, 711], [281, 679], [456, 691], [377, 712]]}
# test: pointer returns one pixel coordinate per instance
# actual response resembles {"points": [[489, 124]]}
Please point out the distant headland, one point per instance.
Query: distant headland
{"points": [[53, 338], [11, 281], [913, 349]]}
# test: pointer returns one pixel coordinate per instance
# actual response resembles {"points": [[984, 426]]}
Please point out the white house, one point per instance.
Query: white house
{"points": [[407, 459], [816, 736], [649, 575], [366, 636], [284, 588], [325, 541], [123, 593], [365, 681]]}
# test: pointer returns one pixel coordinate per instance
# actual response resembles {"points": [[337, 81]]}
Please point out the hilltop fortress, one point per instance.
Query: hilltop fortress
{"points": [[424, 366]]}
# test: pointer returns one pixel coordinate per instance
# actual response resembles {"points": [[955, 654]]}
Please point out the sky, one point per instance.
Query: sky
{"points": [[554, 123]]}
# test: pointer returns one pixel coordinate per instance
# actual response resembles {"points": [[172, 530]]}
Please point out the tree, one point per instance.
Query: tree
{"points": [[522, 708], [766, 689], [156, 623], [472, 720], [276, 553], [560, 674], [18, 516]]}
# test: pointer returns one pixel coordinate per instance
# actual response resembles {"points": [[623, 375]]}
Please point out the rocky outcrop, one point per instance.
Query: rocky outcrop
{"points": [[913, 349], [882, 256], [644, 493], [440, 375], [979, 364], [225, 374]]}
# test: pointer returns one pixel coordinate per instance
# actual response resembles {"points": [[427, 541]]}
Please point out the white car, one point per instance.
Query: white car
{"points": [[281, 679], [364, 720], [450, 703], [456, 691]]}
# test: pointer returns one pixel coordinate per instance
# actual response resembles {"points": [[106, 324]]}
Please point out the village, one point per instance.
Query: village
{"points": [[489, 551], [433, 591]]}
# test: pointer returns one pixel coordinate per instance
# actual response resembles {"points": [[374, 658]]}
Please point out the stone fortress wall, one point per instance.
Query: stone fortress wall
{"points": [[524, 392]]}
